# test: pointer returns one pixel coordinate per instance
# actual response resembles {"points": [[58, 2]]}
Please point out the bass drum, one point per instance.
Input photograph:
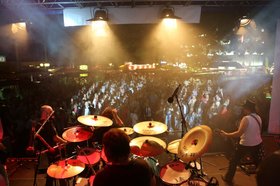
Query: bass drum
{"points": [[174, 173]]}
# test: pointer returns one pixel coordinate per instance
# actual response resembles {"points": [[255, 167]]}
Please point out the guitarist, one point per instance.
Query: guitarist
{"points": [[48, 137], [250, 142]]}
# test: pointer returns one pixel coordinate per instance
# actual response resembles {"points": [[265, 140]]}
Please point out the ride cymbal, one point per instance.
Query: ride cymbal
{"points": [[95, 121], [150, 128]]}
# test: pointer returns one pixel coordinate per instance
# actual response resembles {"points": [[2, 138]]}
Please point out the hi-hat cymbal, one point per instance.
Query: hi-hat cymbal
{"points": [[76, 134], [194, 143], [65, 169], [147, 146], [173, 146], [150, 128], [95, 121], [127, 130]]}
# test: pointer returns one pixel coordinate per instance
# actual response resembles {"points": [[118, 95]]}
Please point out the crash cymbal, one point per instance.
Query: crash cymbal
{"points": [[76, 134], [65, 169], [95, 121], [172, 147], [147, 146], [127, 130], [150, 128], [194, 143]]}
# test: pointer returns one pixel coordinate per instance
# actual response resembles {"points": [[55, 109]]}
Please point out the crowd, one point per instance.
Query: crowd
{"points": [[143, 97], [138, 96]]}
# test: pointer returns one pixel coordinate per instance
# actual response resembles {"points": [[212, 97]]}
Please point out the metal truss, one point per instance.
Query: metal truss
{"points": [[61, 4]]}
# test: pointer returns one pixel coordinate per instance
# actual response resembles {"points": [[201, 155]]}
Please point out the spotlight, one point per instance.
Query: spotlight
{"points": [[99, 15], [244, 21], [168, 13]]}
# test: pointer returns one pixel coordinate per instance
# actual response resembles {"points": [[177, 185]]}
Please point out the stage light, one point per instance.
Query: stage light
{"points": [[244, 21], [100, 15], [168, 13], [17, 27]]}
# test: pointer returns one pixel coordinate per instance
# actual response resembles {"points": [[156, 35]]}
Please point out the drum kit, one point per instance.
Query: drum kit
{"points": [[191, 147]]}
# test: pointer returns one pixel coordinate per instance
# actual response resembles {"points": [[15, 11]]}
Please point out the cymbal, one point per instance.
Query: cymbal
{"points": [[150, 128], [76, 134], [95, 121], [65, 169], [127, 130], [147, 146], [172, 147], [194, 143]]}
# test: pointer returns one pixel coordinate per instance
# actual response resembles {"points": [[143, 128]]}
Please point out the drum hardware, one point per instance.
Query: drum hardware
{"points": [[95, 121], [150, 128]]}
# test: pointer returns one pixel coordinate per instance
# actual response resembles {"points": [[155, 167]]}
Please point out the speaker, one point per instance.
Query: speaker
{"points": [[271, 144]]}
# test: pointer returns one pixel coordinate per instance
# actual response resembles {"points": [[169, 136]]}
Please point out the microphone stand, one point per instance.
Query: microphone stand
{"points": [[183, 121], [36, 168]]}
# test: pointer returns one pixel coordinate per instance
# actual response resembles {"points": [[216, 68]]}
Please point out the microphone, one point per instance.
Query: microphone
{"points": [[170, 99]]}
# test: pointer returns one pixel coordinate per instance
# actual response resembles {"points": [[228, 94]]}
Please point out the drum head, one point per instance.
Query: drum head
{"points": [[195, 143], [89, 156], [174, 173]]}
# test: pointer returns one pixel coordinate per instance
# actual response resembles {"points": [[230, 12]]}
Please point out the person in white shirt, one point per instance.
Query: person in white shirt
{"points": [[250, 141]]}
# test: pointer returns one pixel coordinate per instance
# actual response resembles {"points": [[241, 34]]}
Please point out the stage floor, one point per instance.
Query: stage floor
{"points": [[213, 165]]}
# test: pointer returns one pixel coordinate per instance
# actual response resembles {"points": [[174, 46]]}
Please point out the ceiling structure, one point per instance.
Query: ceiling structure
{"points": [[62, 4]]}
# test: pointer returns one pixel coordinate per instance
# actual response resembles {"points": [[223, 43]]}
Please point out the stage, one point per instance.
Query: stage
{"points": [[213, 165]]}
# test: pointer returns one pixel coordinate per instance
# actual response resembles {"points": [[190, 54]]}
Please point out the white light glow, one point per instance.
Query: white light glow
{"points": [[17, 27], [170, 23], [100, 28]]}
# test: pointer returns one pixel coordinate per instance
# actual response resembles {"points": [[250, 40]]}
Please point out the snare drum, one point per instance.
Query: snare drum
{"points": [[174, 173]]}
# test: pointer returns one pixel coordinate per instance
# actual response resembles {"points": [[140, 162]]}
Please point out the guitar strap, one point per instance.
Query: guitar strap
{"points": [[259, 123]]}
